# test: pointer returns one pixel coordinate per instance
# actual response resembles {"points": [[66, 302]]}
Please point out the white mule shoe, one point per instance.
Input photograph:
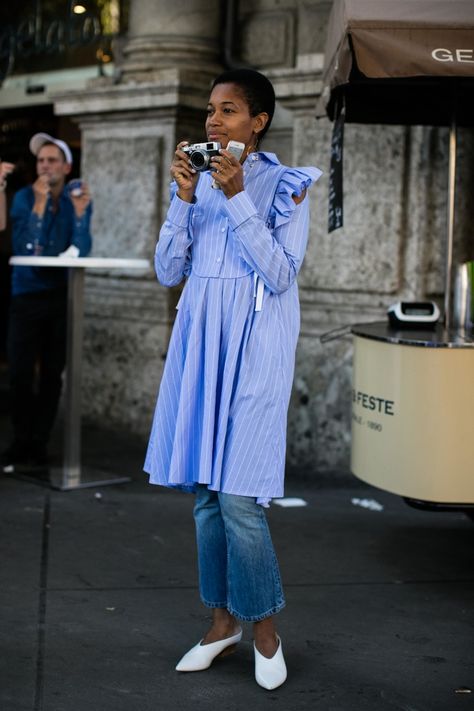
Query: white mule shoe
{"points": [[201, 656], [270, 673]]}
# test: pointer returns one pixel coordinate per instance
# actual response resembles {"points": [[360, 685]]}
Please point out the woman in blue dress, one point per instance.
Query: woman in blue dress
{"points": [[237, 235]]}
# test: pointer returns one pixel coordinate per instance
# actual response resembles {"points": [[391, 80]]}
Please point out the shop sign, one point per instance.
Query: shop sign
{"points": [[34, 36]]}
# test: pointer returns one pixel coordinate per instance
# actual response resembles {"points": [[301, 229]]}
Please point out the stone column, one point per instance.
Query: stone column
{"points": [[130, 125], [171, 34]]}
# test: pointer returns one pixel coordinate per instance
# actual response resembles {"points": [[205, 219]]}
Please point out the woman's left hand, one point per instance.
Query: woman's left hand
{"points": [[228, 173]]}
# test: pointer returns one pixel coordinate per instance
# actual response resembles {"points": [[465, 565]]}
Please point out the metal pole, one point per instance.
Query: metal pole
{"points": [[450, 227], [72, 425]]}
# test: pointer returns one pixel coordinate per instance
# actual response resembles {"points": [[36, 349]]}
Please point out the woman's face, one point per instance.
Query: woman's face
{"points": [[228, 117]]}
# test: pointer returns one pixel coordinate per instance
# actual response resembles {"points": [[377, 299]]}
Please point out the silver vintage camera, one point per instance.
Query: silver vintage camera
{"points": [[200, 154]]}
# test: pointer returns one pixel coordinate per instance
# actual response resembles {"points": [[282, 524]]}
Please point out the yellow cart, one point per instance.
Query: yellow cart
{"points": [[413, 414]]}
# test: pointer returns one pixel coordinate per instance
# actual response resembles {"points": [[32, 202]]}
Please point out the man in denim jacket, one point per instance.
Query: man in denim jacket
{"points": [[48, 219]]}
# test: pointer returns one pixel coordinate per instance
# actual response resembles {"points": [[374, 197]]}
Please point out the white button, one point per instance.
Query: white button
{"points": [[223, 229], [218, 259]]}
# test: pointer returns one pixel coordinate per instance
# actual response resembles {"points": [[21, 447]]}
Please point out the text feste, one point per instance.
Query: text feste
{"points": [[373, 402]]}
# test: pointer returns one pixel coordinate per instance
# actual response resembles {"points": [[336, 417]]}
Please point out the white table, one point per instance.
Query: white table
{"points": [[72, 475]]}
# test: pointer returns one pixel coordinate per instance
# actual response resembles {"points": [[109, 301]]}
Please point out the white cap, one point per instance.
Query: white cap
{"points": [[39, 139]]}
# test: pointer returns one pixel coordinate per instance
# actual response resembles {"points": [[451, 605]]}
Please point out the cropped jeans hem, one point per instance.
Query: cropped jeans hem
{"points": [[245, 618]]}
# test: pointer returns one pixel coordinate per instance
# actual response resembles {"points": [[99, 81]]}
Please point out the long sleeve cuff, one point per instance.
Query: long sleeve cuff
{"points": [[83, 221], [179, 212]]}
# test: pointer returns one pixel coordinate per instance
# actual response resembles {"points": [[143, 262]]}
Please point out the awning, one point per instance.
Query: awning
{"points": [[400, 62], [408, 62]]}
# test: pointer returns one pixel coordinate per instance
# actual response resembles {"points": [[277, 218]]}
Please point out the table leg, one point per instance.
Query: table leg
{"points": [[72, 476], [72, 420]]}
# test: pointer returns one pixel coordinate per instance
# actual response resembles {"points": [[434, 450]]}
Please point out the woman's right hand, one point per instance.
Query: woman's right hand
{"points": [[185, 176]]}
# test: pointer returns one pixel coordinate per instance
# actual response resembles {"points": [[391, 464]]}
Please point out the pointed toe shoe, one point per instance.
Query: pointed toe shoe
{"points": [[270, 673], [201, 656]]}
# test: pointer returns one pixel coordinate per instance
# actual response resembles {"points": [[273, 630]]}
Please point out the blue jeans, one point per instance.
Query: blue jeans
{"points": [[238, 569]]}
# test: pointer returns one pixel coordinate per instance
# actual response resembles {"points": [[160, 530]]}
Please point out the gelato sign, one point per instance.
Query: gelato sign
{"points": [[34, 35], [456, 55]]}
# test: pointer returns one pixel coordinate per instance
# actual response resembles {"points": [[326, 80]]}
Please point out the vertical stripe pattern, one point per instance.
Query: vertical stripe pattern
{"points": [[220, 417]]}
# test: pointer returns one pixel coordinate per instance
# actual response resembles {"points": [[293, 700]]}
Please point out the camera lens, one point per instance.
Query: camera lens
{"points": [[199, 160]]}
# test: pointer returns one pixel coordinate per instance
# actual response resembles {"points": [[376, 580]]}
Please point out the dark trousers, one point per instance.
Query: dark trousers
{"points": [[36, 349]]}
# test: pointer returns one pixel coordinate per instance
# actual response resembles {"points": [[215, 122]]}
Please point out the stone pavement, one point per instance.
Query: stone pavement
{"points": [[99, 599]]}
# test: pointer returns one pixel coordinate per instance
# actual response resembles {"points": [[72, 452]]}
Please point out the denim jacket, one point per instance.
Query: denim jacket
{"points": [[45, 236]]}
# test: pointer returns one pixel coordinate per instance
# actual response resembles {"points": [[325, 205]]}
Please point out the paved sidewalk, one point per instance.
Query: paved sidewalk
{"points": [[99, 600]]}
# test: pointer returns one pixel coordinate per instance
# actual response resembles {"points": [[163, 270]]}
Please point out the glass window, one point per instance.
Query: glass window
{"points": [[45, 35]]}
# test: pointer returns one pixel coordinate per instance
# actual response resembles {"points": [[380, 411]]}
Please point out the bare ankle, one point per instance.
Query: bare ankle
{"points": [[223, 625], [265, 637]]}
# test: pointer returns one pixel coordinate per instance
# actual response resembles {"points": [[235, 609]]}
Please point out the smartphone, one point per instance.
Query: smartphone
{"points": [[236, 148]]}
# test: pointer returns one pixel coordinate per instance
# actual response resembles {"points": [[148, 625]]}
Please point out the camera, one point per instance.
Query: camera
{"points": [[200, 154]]}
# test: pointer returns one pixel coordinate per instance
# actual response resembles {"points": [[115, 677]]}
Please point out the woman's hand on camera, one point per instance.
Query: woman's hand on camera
{"points": [[186, 177], [228, 173]]}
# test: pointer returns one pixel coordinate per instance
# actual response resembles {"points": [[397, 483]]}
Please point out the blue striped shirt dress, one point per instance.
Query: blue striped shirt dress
{"points": [[221, 413]]}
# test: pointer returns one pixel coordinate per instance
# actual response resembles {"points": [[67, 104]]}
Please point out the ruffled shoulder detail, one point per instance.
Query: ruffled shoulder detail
{"points": [[293, 182]]}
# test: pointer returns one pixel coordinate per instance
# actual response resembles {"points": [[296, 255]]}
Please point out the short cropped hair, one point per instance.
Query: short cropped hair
{"points": [[256, 88]]}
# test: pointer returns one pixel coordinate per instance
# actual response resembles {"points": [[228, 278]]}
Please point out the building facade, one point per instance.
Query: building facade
{"points": [[391, 246]]}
